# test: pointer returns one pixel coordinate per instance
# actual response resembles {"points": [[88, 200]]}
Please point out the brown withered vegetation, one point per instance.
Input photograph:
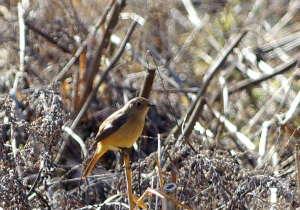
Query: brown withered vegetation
{"points": [[224, 76]]}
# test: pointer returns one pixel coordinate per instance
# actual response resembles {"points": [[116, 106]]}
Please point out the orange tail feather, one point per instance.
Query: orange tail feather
{"points": [[100, 150]]}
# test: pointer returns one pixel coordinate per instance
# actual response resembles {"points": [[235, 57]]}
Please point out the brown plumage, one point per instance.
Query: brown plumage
{"points": [[120, 130]]}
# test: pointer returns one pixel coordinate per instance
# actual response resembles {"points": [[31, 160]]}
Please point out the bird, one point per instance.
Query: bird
{"points": [[120, 130]]}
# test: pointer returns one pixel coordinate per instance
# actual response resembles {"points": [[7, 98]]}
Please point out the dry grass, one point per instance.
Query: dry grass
{"points": [[231, 67]]}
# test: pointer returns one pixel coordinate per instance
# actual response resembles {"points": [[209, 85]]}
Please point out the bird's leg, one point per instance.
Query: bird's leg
{"points": [[126, 152]]}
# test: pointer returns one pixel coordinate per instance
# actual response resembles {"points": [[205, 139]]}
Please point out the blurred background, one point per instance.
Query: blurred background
{"points": [[225, 82]]}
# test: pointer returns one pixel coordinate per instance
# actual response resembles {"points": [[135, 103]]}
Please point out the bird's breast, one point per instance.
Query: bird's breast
{"points": [[127, 134]]}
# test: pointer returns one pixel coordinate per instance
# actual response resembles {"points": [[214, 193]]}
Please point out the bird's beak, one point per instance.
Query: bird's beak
{"points": [[153, 105]]}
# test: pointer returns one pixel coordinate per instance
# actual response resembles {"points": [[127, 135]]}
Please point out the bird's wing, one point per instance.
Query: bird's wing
{"points": [[111, 125]]}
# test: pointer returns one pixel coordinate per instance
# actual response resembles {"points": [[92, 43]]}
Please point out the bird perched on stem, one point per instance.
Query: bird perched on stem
{"points": [[120, 130]]}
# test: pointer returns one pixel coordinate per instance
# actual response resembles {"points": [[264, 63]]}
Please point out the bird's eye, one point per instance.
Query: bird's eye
{"points": [[138, 103]]}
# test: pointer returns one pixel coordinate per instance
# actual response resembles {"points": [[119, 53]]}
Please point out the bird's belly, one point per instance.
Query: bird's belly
{"points": [[126, 135]]}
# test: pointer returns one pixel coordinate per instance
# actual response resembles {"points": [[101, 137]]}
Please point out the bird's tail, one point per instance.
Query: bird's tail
{"points": [[100, 150]]}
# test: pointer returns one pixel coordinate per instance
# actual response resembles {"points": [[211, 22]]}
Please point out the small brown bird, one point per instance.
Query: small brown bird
{"points": [[120, 130]]}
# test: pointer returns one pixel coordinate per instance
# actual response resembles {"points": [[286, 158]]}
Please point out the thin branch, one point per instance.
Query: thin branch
{"points": [[77, 139], [103, 75], [297, 159], [47, 36], [148, 82], [94, 68], [213, 69], [84, 44]]}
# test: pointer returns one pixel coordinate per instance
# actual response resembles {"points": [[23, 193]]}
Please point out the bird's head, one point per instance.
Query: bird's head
{"points": [[138, 106]]}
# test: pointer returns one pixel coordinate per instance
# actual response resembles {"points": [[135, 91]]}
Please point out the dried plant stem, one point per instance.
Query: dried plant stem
{"points": [[147, 85], [170, 189], [84, 44], [13, 92], [22, 41], [294, 7], [163, 195], [270, 101], [280, 69], [213, 69], [128, 178], [103, 75], [49, 38], [161, 182], [77, 139], [234, 131], [37, 178], [194, 117], [292, 109], [193, 16], [94, 68], [298, 166]]}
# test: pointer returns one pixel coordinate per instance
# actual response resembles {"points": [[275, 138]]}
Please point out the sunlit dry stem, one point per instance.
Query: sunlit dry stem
{"points": [[161, 184], [298, 166], [128, 181], [162, 195]]}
